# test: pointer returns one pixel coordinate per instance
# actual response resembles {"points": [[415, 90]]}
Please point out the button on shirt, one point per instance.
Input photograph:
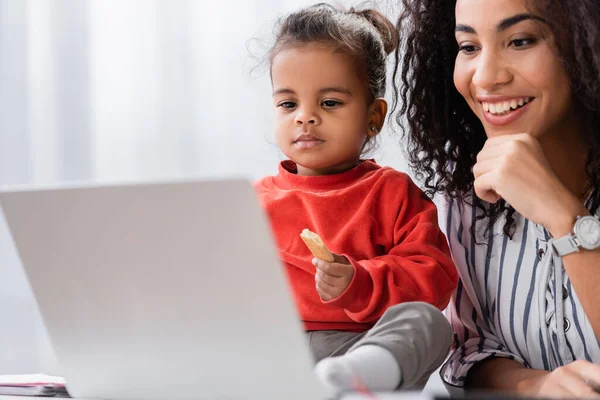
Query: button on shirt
{"points": [[514, 298]]}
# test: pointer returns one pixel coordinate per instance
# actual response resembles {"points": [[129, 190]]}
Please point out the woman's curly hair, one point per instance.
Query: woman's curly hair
{"points": [[443, 135]]}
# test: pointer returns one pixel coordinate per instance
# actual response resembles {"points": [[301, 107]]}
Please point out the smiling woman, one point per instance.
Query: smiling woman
{"points": [[502, 104], [510, 73]]}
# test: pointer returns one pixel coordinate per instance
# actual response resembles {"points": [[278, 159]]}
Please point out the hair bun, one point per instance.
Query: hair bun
{"points": [[387, 30]]}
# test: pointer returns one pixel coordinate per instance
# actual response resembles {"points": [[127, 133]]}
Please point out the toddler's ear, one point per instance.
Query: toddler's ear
{"points": [[372, 131], [378, 111]]}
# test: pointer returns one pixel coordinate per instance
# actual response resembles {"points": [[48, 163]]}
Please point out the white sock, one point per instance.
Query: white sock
{"points": [[368, 367]]}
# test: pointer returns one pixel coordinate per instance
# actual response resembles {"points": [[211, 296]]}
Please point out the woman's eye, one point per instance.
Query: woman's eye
{"points": [[522, 42], [287, 104], [331, 103], [468, 49]]}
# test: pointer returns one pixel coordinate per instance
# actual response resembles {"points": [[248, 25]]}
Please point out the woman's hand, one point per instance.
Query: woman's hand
{"points": [[514, 167], [579, 379], [332, 278]]}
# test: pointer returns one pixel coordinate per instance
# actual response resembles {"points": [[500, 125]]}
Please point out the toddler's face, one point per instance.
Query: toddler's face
{"points": [[322, 111]]}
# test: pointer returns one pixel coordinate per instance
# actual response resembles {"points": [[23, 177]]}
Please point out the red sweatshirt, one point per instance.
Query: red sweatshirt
{"points": [[380, 221]]}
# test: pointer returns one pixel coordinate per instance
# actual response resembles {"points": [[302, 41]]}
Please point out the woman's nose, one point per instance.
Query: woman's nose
{"points": [[491, 71]]}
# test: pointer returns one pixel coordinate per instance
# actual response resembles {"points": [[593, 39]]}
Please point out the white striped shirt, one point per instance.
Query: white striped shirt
{"points": [[514, 299]]}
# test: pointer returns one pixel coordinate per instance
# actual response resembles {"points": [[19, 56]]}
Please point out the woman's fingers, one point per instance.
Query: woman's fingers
{"points": [[484, 166], [589, 373], [573, 386], [576, 380], [484, 187]]}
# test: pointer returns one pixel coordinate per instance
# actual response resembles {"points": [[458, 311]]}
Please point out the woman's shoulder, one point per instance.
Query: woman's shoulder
{"points": [[454, 210], [459, 217]]}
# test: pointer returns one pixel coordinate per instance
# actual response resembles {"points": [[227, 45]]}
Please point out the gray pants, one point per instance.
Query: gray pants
{"points": [[416, 333]]}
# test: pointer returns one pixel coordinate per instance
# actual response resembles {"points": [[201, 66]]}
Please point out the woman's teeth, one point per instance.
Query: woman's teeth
{"points": [[504, 107]]}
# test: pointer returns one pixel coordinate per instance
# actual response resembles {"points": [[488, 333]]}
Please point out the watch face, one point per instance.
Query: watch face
{"points": [[588, 232]]}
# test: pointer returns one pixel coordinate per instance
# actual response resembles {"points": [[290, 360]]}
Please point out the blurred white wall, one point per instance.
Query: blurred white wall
{"points": [[126, 90]]}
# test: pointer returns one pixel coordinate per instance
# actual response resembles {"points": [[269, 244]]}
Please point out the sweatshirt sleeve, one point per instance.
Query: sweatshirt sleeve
{"points": [[417, 268]]}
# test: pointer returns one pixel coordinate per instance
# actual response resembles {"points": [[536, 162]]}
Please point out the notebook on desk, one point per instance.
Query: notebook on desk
{"points": [[32, 385], [157, 291]]}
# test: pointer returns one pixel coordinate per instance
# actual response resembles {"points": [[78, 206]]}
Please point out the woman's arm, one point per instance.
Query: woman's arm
{"points": [[583, 267], [480, 360], [514, 167], [512, 377], [504, 375]]}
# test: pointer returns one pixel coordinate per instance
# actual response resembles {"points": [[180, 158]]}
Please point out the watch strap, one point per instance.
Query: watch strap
{"points": [[566, 245]]}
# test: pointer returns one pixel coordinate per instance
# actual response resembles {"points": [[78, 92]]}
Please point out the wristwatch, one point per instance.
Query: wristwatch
{"points": [[586, 235]]}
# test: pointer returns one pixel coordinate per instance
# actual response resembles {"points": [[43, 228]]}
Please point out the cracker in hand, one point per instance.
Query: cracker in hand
{"points": [[316, 245]]}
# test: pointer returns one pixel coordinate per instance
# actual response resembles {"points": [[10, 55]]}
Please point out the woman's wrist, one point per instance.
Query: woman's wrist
{"points": [[562, 219], [530, 382]]}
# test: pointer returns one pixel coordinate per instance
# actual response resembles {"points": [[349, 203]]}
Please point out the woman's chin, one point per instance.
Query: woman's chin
{"points": [[495, 131]]}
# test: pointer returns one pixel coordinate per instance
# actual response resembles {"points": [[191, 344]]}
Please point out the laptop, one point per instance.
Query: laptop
{"points": [[162, 291]]}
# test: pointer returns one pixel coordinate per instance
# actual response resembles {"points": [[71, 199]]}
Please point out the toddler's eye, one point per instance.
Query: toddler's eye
{"points": [[287, 104], [331, 103]]}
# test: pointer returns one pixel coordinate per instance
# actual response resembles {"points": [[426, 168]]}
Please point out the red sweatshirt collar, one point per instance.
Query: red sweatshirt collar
{"points": [[287, 178]]}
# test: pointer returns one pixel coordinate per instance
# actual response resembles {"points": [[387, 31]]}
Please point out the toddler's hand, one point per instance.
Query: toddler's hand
{"points": [[332, 278]]}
